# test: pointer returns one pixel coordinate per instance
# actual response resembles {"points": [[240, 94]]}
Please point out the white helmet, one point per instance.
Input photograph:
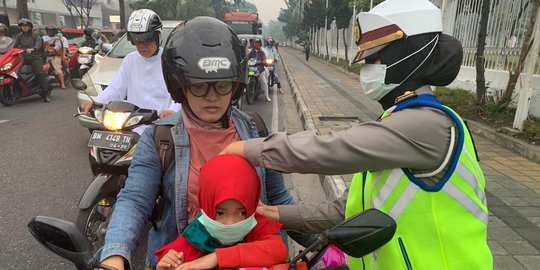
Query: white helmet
{"points": [[392, 20], [144, 25]]}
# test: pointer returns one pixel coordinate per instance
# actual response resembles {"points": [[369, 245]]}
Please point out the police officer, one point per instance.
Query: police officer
{"points": [[417, 163]]}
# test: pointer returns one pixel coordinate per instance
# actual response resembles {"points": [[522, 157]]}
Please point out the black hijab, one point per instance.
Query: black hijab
{"points": [[439, 69]]}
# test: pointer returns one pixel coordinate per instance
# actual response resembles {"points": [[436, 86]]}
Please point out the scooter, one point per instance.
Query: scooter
{"points": [[357, 236], [253, 89], [270, 63], [85, 59], [111, 152], [16, 79]]}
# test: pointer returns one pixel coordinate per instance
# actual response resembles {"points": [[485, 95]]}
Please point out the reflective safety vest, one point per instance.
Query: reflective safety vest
{"points": [[438, 227]]}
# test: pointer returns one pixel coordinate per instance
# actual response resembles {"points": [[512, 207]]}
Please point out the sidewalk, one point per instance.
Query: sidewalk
{"points": [[328, 99]]}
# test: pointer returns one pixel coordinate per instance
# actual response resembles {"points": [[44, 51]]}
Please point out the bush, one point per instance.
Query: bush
{"points": [[455, 98]]}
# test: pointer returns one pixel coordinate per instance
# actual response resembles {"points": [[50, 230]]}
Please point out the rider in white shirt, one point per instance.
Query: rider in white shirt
{"points": [[271, 51], [140, 78]]}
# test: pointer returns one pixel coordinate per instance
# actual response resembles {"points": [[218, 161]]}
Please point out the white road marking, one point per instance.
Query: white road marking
{"points": [[3, 121]]}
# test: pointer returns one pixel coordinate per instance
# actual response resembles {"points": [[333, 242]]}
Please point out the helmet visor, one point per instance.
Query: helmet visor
{"points": [[140, 37]]}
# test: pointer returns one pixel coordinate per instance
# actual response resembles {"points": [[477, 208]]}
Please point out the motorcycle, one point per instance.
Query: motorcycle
{"points": [[270, 63], [85, 59], [357, 236], [111, 152], [17, 80], [253, 89]]}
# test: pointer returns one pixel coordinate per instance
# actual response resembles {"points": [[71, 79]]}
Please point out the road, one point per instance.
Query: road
{"points": [[44, 169]]}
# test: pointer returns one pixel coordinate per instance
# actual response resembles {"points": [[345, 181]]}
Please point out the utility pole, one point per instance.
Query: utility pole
{"points": [[122, 14], [5, 7], [22, 8]]}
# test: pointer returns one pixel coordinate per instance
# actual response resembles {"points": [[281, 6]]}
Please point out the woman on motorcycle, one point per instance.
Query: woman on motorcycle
{"points": [[205, 69]]}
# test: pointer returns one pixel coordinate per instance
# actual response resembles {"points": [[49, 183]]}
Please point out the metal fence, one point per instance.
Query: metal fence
{"points": [[506, 29]]}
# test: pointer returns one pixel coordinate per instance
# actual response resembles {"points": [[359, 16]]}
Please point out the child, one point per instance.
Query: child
{"points": [[228, 233]]}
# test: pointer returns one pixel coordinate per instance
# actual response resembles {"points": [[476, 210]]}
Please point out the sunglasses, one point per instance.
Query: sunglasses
{"points": [[222, 88]]}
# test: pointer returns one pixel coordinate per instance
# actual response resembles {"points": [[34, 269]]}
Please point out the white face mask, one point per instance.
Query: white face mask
{"points": [[372, 76], [228, 234], [372, 81]]}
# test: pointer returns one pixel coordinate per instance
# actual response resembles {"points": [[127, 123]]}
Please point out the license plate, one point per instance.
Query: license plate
{"points": [[110, 140]]}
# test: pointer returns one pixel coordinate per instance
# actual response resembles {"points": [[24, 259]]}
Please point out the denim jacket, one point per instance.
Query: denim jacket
{"points": [[135, 201]]}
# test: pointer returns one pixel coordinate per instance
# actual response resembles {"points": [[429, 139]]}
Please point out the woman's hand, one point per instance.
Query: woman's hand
{"points": [[171, 260], [166, 113], [235, 148], [114, 261], [209, 261], [87, 105]]}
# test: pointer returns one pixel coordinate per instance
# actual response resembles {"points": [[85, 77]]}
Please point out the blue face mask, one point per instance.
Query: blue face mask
{"points": [[228, 234]]}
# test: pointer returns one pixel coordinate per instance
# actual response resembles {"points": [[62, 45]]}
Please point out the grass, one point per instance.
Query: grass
{"points": [[464, 103]]}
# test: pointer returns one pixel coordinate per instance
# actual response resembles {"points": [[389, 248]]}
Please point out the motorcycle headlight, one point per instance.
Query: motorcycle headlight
{"points": [[134, 120], [6, 67], [85, 50], [114, 120], [269, 61]]}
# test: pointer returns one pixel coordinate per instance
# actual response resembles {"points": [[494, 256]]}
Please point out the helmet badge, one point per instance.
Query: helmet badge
{"points": [[213, 64]]}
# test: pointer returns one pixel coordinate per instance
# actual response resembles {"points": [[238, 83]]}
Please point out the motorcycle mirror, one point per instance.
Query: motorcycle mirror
{"points": [[62, 238], [78, 84], [363, 233], [106, 47]]}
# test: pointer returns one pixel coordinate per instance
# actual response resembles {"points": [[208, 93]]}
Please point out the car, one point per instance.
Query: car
{"points": [[104, 70]]}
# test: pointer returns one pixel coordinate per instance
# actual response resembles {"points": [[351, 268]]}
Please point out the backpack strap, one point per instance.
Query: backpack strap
{"points": [[259, 123], [165, 148]]}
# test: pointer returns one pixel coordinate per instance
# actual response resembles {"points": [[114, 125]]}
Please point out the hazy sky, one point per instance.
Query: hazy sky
{"points": [[268, 9]]}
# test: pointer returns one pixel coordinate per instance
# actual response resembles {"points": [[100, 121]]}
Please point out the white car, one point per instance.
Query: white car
{"points": [[104, 69]]}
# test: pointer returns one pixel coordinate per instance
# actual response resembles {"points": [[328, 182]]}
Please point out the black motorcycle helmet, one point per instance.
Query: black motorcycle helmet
{"points": [[88, 32], [51, 30], [4, 29], [25, 21], [200, 50]]}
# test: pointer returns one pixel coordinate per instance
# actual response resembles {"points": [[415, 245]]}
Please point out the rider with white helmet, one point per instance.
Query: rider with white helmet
{"points": [[140, 78]]}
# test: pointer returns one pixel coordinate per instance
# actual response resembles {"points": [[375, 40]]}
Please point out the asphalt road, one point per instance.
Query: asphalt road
{"points": [[44, 169]]}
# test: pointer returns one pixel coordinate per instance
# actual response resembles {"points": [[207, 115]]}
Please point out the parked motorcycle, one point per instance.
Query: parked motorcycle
{"points": [[356, 236], [111, 151], [253, 89], [85, 59], [17, 80]]}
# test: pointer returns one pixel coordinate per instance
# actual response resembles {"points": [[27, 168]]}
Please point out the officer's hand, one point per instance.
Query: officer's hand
{"points": [[166, 113], [87, 105]]}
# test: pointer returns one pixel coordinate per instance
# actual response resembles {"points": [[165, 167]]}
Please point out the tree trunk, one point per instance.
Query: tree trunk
{"points": [[525, 48], [345, 44], [122, 14], [337, 45], [480, 47], [22, 8], [5, 7], [326, 40]]}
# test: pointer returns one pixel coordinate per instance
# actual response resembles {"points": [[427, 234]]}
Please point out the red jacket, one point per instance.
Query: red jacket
{"points": [[262, 248]]}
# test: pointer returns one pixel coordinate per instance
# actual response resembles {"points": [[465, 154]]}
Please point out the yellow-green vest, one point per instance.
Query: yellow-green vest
{"points": [[445, 229]]}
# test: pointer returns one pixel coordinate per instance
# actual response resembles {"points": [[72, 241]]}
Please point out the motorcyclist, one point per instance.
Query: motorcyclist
{"points": [[207, 80], [91, 39], [257, 53], [54, 49], [32, 44], [3, 30], [140, 77], [271, 51]]}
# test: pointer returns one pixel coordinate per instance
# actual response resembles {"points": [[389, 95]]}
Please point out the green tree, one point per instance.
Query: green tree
{"points": [[222, 6], [292, 23], [364, 4], [274, 29], [314, 15], [166, 9], [340, 11]]}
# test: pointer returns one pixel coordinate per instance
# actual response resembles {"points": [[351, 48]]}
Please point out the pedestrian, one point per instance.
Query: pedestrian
{"points": [[228, 232], [32, 45], [417, 162], [140, 72], [206, 80], [307, 49]]}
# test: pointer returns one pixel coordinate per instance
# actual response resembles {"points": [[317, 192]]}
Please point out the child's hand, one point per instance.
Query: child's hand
{"points": [[171, 260], [207, 262]]}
